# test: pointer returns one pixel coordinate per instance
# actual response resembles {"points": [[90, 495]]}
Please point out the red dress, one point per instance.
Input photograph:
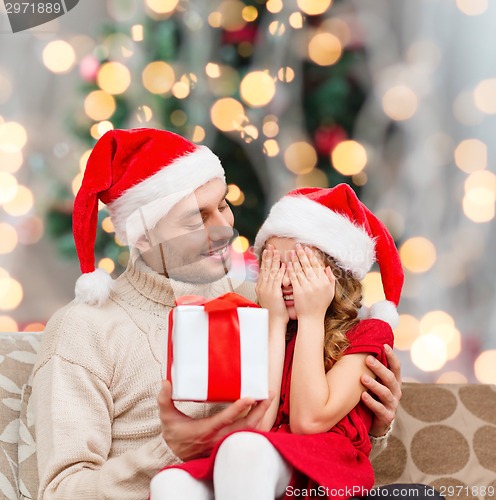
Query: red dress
{"points": [[336, 460]]}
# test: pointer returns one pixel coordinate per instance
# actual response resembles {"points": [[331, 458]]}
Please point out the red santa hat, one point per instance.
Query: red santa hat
{"points": [[338, 223], [140, 174]]}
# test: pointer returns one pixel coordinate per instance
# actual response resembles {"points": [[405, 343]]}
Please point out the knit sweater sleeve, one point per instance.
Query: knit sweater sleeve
{"points": [[75, 410], [73, 432]]}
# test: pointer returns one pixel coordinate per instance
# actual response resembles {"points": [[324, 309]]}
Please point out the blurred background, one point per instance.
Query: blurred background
{"points": [[395, 97]]}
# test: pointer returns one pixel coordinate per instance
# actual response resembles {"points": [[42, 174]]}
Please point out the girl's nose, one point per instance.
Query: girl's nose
{"points": [[286, 282]]}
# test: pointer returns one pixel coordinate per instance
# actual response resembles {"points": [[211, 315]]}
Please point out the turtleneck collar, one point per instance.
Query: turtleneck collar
{"points": [[143, 287]]}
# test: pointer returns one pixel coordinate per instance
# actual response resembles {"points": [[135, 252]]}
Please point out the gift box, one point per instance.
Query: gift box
{"points": [[218, 349]]}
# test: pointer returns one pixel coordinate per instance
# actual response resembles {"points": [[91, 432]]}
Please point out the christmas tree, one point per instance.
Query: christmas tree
{"points": [[272, 87]]}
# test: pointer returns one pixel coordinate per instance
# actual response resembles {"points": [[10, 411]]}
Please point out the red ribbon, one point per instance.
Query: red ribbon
{"points": [[224, 345]]}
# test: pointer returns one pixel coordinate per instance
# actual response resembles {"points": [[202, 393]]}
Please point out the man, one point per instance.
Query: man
{"points": [[99, 431]]}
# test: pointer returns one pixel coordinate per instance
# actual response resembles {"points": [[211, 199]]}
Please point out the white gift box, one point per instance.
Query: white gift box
{"points": [[218, 355]]}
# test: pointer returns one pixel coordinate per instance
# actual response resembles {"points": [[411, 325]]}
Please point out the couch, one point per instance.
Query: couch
{"points": [[444, 435]]}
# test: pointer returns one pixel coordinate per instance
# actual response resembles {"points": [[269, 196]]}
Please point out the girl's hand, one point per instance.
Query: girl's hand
{"points": [[268, 289], [313, 285]]}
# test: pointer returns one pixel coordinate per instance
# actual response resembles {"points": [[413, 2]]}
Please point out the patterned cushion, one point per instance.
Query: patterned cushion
{"points": [[444, 436], [17, 356]]}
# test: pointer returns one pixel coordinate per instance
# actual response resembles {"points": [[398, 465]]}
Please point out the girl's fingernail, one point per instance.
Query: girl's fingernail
{"points": [[366, 379]]}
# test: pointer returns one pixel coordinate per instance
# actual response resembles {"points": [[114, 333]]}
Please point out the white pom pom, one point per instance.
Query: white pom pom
{"points": [[94, 288], [386, 311], [364, 312]]}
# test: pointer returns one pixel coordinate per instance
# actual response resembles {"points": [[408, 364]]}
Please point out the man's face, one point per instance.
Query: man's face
{"points": [[192, 242]]}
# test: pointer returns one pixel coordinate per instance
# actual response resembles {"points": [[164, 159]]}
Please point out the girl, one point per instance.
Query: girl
{"points": [[316, 245]]}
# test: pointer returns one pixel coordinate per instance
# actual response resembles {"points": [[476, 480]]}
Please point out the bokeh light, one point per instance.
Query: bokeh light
{"points": [[137, 32], [452, 378], [314, 7], [99, 105], [180, 90], [418, 254], [10, 161], [59, 56], [249, 133], [84, 160], [349, 157], [8, 324], [22, 202], [277, 28], [144, 114], [8, 187], [471, 155], [212, 70], [178, 118], [270, 126], [373, 290], [324, 49], [480, 196], [485, 367], [162, 6], [235, 196], [400, 103], [11, 294], [442, 325], [198, 134], [34, 327], [296, 20], [114, 78], [76, 183], [106, 264], [158, 77], [257, 88], [300, 157], [481, 180], [274, 6], [407, 331], [227, 114], [249, 13], [13, 137], [472, 7], [286, 74], [485, 96], [8, 238], [107, 225], [240, 244], [231, 15], [428, 352], [271, 148]]}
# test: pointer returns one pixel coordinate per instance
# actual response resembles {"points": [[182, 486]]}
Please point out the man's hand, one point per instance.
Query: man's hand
{"points": [[387, 388], [190, 438]]}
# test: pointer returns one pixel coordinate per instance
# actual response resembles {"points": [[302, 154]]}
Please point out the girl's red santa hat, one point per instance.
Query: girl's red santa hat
{"points": [[338, 223], [140, 174]]}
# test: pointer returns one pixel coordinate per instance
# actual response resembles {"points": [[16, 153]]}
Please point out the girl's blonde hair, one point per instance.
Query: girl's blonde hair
{"points": [[342, 314]]}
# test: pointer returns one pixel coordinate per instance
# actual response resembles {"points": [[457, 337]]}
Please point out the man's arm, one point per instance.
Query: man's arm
{"points": [[74, 411]]}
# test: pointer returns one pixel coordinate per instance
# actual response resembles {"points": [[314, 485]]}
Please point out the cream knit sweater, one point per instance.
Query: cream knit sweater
{"points": [[95, 386]]}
